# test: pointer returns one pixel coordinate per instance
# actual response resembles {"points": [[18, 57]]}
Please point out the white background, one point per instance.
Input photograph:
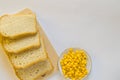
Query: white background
{"points": [[93, 25]]}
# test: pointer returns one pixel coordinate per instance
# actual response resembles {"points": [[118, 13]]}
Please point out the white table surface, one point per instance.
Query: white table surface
{"points": [[93, 25]]}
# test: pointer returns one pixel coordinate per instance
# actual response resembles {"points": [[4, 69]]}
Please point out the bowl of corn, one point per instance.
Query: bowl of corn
{"points": [[74, 64]]}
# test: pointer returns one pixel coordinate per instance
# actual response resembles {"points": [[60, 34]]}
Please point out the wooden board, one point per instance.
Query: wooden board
{"points": [[49, 48]]}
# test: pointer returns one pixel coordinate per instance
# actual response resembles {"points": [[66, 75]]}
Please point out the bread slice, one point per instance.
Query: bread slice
{"points": [[33, 72], [29, 57], [14, 26], [22, 44]]}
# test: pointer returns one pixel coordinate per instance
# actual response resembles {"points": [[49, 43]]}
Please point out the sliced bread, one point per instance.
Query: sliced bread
{"points": [[14, 26], [22, 44], [29, 57], [35, 71]]}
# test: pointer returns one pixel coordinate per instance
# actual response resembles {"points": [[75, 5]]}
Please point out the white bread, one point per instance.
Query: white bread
{"points": [[35, 71], [29, 57], [14, 26], [22, 44], [32, 70]]}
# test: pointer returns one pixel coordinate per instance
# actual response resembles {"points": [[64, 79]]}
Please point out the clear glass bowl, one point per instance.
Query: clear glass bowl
{"points": [[89, 63]]}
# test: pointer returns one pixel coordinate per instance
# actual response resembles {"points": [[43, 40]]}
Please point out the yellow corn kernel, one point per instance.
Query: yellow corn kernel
{"points": [[84, 62], [77, 51], [86, 72], [63, 67], [63, 71], [81, 51], [73, 53], [71, 49], [73, 79]]}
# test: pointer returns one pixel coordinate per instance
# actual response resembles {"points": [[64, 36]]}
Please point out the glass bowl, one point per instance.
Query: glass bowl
{"points": [[89, 63]]}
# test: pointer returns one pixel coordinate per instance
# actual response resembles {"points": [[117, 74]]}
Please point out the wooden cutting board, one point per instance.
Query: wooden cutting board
{"points": [[49, 48]]}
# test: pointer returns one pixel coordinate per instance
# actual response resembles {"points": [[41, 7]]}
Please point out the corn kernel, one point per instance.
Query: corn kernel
{"points": [[71, 49]]}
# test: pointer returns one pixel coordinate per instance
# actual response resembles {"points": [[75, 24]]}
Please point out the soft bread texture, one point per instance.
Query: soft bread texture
{"points": [[14, 26], [22, 44], [37, 70], [33, 65], [29, 57]]}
